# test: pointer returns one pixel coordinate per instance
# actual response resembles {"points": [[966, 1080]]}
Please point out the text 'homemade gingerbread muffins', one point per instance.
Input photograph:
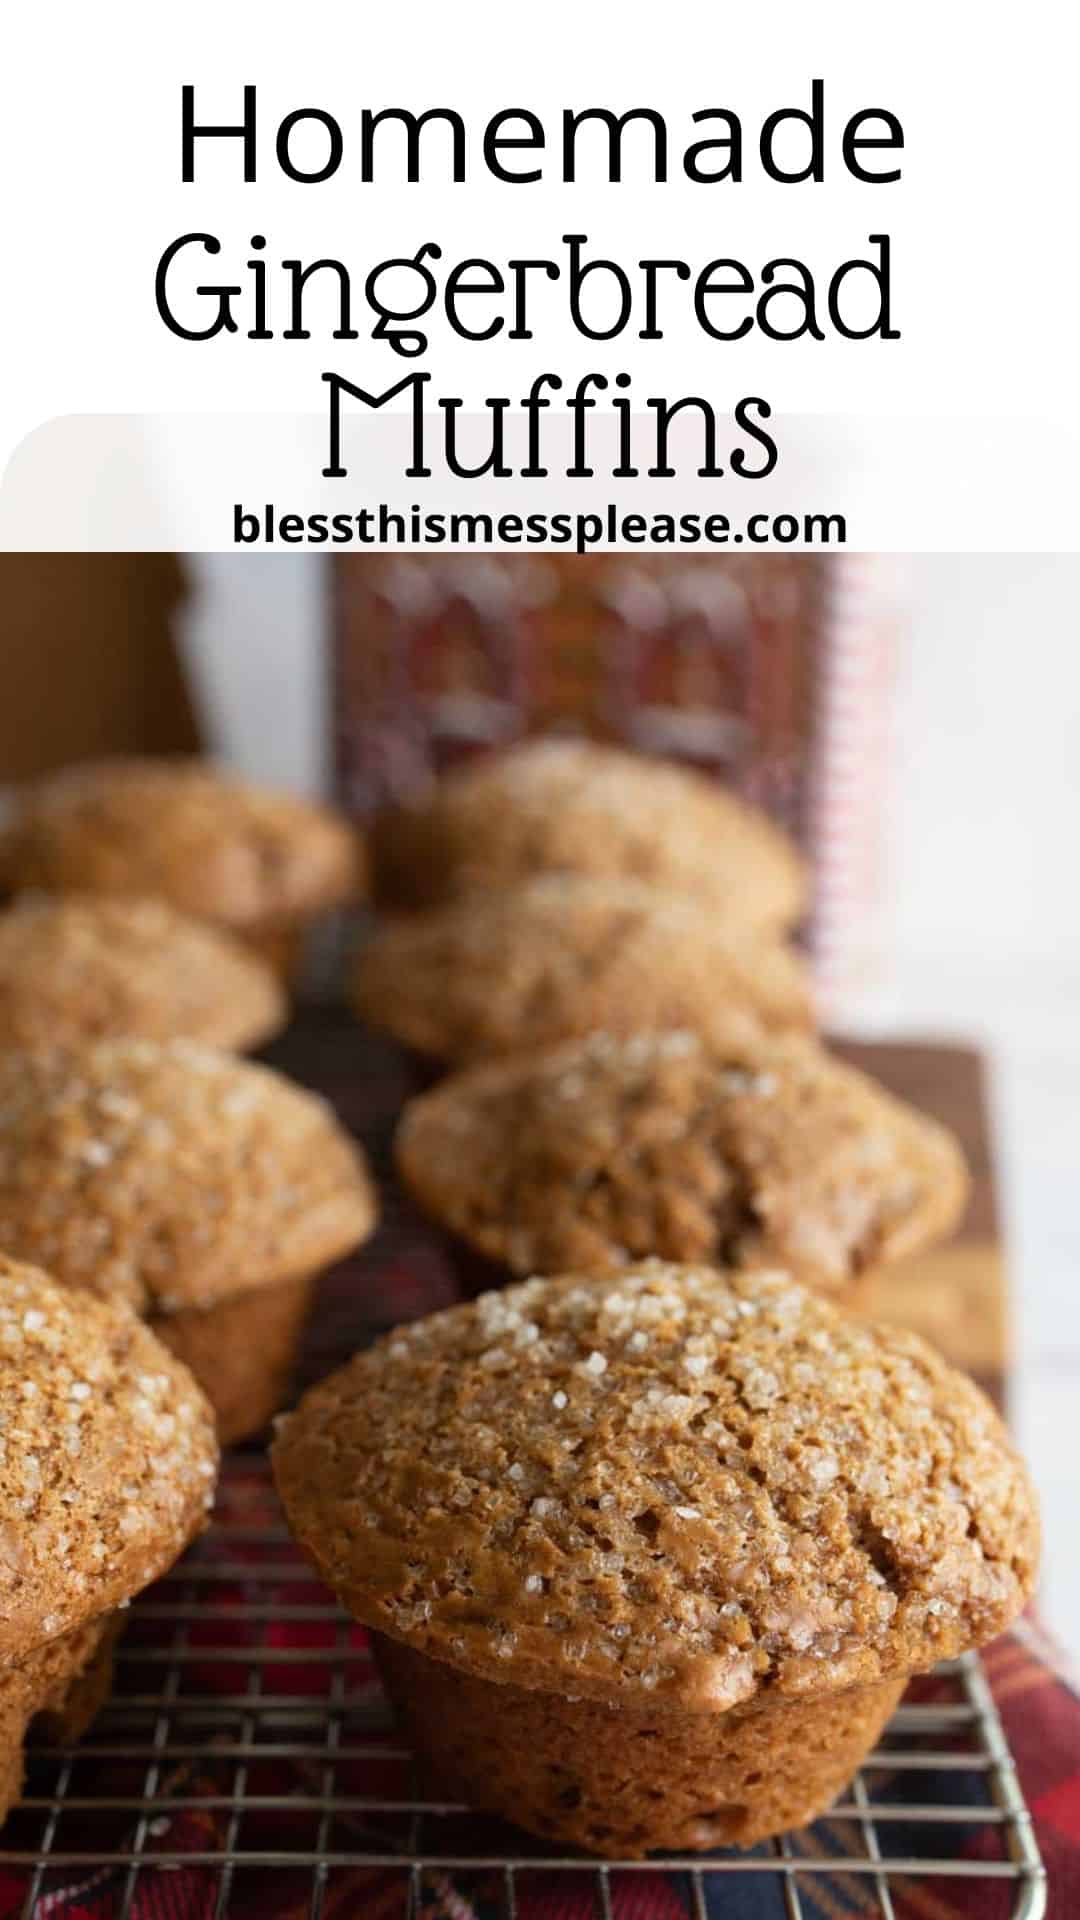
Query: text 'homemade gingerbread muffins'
{"points": [[107, 1470], [571, 806], [263, 862], [613, 1148], [79, 967], [652, 1560], [203, 1190], [564, 954]]}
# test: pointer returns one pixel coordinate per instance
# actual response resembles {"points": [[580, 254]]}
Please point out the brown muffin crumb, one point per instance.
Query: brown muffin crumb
{"points": [[171, 1176], [623, 1780], [80, 967], [107, 1458], [243, 1351], [610, 1149], [211, 844], [571, 806], [683, 1487], [58, 1688], [565, 954]]}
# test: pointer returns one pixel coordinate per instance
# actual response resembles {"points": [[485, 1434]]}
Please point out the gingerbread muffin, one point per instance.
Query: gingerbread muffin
{"points": [[204, 1191], [614, 1148], [565, 954], [78, 967], [108, 1470], [264, 863], [570, 806], [649, 1563]]}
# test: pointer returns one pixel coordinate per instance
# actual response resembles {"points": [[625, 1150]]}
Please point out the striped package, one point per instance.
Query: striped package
{"points": [[771, 672]]}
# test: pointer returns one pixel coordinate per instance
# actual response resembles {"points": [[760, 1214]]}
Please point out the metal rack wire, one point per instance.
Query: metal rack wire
{"points": [[246, 1767], [248, 1754]]}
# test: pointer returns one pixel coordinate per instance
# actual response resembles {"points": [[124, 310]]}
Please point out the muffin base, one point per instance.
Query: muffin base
{"points": [[59, 1689], [621, 1781], [243, 1351], [282, 944]]}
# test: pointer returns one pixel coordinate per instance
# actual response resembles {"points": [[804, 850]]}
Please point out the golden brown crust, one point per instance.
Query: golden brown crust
{"points": [[681, 1487], [563, 955], [108, 1463], [209, 843], [72, 1707], [624, 1781], [242, 1352], [609, 1150], [81, 967], [172, 1176], [572, 806]]}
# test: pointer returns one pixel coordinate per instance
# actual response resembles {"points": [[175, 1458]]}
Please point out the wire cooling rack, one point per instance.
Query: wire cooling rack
{"points": [[247, 1767]]}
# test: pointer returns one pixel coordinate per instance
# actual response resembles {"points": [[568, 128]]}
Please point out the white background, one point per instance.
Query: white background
{"points": [[964, 430]]}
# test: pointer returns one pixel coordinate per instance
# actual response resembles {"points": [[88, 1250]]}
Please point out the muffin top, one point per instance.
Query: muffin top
{"points": [[609, 1149], [107, 1463], [78, 967], [209, 843], [171, 1176], [682, 1487], [572, 806], [567, 953]]}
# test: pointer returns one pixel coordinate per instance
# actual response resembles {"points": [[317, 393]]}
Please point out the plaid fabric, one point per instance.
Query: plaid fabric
{"points": [[232, 1649], [1041, 1717]]}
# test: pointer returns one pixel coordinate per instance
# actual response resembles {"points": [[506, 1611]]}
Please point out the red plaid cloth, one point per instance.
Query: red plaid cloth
{"points": [[197, 1789], [1041, 1718]]}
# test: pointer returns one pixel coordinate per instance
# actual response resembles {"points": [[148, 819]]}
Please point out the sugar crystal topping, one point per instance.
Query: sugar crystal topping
{"points": [[170, 1174], [564, 954], [684, 1146], [809, 1503], [572, 805], [183, 830], [107, 1455]]}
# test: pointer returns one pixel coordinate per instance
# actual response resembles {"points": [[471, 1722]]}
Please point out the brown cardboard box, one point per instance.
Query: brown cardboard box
{"points": [[87, 659]]}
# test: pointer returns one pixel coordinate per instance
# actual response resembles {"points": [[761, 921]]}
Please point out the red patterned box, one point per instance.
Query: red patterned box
{"points": [[770, 671]]}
